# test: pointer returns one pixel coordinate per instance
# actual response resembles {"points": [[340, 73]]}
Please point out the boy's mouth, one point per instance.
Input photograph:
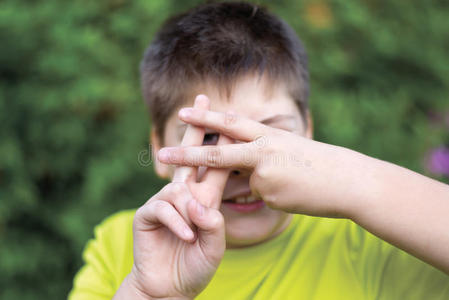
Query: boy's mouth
{"points": [[244, 203], [242, 199]]}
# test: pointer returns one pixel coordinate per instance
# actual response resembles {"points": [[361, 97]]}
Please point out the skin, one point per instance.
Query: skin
{"points": [[398, 205], [291, 173], [170, 234], [274, 108], [179, 232]]}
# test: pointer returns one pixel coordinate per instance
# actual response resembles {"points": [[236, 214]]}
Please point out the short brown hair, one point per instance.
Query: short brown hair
{"points": [[220, 42]]}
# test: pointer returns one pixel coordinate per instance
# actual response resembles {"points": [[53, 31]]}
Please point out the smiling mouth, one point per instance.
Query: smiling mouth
{"points": [[242, 199], [244, 204]]}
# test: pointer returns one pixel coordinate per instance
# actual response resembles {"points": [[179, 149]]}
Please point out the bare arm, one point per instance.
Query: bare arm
{"points": [[400, 206], [407, 209]]}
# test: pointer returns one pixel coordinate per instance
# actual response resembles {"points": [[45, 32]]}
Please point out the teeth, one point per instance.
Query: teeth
{"points": [[240, 200], [243, 200], [250, 199]]}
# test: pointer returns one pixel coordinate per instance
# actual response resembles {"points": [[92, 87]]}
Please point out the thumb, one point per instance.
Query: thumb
{"points": [[211, 232]]}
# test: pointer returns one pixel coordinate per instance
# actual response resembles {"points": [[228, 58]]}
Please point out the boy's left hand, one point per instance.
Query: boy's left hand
{"points": [[289, 172]]}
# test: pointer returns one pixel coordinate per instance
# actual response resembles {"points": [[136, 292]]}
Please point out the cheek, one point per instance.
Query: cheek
{"points": [[172, 141]]}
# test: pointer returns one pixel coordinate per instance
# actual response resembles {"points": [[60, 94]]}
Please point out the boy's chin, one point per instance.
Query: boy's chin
{"points": [[245, 230]]}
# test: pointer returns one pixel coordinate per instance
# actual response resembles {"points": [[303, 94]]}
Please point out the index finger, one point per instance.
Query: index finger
{"points": [[193, 136], [245, 156], [230, 124]]}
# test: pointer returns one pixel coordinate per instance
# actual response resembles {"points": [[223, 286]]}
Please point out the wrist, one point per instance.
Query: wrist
{"points": [[131, 289], [361, 174]]}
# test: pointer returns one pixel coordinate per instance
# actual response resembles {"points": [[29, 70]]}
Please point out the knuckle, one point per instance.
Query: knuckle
{"points": [[261, 141], [140, 211], [271, 201], [229, 119], [265, 147], [178, 188], [216, 220], [214, 157], [261, 174], [179, 156], [160, 207], [269, 155], [144, 212]]}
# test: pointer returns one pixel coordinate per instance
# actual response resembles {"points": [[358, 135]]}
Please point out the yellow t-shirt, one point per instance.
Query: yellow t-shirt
{"points": [[314, 258]]}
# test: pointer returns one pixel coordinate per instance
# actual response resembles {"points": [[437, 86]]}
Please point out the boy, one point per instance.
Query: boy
{"points": [[233, 222]]}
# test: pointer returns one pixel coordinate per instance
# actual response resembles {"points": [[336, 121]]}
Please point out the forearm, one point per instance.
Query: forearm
{"points": [[398, 205], [402, 207]]}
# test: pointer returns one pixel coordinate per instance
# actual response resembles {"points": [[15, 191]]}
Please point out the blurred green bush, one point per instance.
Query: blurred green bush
{"points": [[73, 123]]}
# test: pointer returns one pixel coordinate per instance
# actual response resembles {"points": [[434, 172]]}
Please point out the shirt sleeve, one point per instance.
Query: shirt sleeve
{"points": [[388, 272], [405, 277], [107, 257]]}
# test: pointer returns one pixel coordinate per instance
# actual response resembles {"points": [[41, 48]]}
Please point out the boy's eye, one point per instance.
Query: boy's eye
{"points": [[210, 139]]}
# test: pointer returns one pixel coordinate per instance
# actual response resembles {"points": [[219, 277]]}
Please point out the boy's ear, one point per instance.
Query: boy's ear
{"points": [[309, 130], [162, 170]]}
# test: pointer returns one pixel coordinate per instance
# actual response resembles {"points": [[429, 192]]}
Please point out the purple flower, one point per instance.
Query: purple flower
{"points": [[438, 162]]}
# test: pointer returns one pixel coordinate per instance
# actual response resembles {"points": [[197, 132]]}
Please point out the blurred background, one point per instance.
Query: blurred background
{"points": [[74, 130]]}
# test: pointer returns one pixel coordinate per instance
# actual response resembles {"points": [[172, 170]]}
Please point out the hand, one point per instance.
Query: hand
{"points": [[179, 236], [299, 175], [289, 172]]}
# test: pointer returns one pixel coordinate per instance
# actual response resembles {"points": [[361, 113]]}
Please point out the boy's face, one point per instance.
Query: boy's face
{"points": [[249, 99]]}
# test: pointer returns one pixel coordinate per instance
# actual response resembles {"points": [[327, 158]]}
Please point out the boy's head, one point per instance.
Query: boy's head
{"points": [[245, 60], [218, 44]]}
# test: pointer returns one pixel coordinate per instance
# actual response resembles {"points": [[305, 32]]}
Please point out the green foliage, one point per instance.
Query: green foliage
{"points": [[73, 122]]}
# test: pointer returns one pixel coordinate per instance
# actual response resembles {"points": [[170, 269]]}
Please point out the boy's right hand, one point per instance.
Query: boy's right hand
{"points": [[179, 237]]}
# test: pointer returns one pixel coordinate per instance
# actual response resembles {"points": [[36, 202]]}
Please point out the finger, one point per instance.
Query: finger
{"points": [[211, 231], [215, 178], [192, 137], [245, 156], [158, 212], [178, 194], [228, 123]]}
